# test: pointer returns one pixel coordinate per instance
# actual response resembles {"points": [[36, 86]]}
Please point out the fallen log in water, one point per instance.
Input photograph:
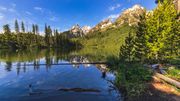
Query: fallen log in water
{"points": [[168, 80], [79, 90]]}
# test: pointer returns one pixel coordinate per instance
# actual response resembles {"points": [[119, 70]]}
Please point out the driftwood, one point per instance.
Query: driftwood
{"points": [[168, 80], [79, 90]]}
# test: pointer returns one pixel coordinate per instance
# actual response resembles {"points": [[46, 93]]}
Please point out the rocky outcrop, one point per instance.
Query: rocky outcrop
{"points": [[130, 16], [104, 24], [86, 29], [76, 31]]}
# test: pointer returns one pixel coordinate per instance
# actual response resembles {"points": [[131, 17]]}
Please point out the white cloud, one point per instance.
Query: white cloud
{"points": [[13, 5], [113, 16], [11, 10], [1, 17], [112, 8], [28, 13], [3, 8], [38, 8], [123, 9]]}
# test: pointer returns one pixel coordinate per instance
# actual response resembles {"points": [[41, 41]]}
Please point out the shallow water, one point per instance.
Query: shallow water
{"points": [[83, 82]]}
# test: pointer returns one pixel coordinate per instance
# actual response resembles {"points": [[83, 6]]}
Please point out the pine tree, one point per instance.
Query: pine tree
{"points": [[127, 50], [176, 38], [47, 36], [173, 38], [140, 40], [6, 29], [22, 27], [7, 32], [159, 1], [16, 26], [50, 35], [36, 29], [33, 29], [56, 39], [159, 30]]}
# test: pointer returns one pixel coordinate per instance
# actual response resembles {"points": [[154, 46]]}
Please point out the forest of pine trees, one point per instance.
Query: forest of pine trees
{"points": [[157, 37], [23, 39]]}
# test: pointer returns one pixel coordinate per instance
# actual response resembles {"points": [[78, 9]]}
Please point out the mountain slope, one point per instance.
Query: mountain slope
{"points": [[108, 41], [109, 36], [131, 16]]}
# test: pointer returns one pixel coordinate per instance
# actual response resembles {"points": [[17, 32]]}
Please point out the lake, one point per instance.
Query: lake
{"points": [[53, 75]]}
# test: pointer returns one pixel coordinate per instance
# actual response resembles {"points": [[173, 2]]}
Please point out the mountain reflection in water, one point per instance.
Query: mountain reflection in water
{"points": [[73, 82]]}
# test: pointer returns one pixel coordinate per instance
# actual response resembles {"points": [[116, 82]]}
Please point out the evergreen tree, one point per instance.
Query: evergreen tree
{"points": [[33, 29], [7, 32], [16, 26], [22, 27], [127, 50], [50, 36], [56, 37], [159, 1], [172, 43], [47, 36], [36, 29], [6, 29], [140, 40], [159, 30], [175, 44]]}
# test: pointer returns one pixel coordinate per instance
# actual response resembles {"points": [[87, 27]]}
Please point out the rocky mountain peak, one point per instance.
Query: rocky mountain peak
{"points": [[86, 29], [76, 31], [131, 16], [104, 24]]}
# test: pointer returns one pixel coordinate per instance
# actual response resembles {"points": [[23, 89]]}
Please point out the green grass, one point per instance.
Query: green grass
{"points": [[174, 72], [133, 79], [108, 41]]}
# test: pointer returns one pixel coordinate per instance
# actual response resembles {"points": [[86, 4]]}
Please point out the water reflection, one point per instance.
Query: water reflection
{"points": [[56, 75], [79, 59], [8, 66], [48, 61], [37, 58]]}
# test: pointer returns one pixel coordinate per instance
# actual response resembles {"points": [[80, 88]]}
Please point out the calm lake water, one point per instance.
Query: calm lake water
{"points": [[65, 81]]}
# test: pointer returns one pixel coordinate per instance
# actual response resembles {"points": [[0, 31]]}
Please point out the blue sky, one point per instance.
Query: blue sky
{"points": [[63, 14]]}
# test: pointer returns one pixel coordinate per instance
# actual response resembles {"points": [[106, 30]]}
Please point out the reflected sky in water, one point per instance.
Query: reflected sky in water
{"points": [[47, 80]]}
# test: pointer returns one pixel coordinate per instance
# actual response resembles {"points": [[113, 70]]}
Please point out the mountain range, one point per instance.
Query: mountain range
{"points": [[129, 16]]}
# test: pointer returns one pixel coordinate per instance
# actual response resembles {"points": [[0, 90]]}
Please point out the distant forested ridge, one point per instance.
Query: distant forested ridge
{"points": [[22, 39]]}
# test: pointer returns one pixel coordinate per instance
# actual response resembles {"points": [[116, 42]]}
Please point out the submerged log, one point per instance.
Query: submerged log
{"points": [[79, 90], [168, 80]]}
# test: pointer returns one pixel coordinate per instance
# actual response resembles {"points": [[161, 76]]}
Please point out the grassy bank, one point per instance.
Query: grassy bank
{"points": [[132, 79], [107, 40], [174, 73]]}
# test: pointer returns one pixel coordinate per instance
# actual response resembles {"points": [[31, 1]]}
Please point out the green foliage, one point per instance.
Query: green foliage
{"points": [[6, 29], [108, 40], [133, 78], [160, 31], [174, 72], [16, 26], [127, 50], [157, 37], [140, 40], [22, 27], [25, 40]]}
